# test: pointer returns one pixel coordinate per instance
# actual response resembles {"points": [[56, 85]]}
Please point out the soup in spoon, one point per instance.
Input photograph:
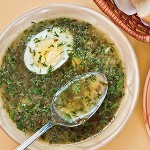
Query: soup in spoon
{"points": [[80, 98]]}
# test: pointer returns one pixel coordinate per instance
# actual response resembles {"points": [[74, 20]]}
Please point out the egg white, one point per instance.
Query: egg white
{"points": [[61, 39]]}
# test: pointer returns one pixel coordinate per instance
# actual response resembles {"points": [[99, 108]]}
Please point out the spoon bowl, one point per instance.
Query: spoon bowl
{"points": [[78, 101]]}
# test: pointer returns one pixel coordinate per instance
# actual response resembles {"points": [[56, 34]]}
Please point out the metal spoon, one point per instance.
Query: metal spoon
{"points": [[59, 104]]}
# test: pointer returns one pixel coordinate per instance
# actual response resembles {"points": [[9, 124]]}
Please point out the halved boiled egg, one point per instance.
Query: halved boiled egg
{"points": [[48, 50]]}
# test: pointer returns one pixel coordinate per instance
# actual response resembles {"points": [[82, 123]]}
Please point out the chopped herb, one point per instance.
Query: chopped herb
{"points": [[61, 52], [51, 46], [44, 64], [49, 29], [50, 69], [30, 50], [55, 40], [81, 109], [67, 116], [46, 36], [42, 24], [39, 60], [37, 40], [93, 77], [61, 44], [34, 53], [69, 45], [12, 114], [55, 34], [68, 50], [33, 23], [20, 126], [76, 88], [31, 65], [88, 98], [73, 112], [62, 30]]}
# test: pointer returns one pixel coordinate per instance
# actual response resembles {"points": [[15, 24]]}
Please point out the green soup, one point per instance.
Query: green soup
{"points": [[27, 95]]}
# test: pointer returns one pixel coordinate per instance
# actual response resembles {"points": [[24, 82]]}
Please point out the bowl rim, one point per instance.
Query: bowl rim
{"points": [[121, 34]]}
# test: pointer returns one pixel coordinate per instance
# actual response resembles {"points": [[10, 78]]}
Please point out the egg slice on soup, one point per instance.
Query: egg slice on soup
{"points": [[48, 50]]}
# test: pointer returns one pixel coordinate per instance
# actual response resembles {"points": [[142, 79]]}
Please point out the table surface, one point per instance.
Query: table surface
{"points": [[134, 135]]}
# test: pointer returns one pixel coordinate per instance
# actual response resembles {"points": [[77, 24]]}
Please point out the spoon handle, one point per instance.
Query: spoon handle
{"points": [[34, 136]]}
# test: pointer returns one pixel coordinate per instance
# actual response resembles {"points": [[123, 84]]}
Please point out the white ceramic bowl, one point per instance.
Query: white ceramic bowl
{"points": [[124, 48]]}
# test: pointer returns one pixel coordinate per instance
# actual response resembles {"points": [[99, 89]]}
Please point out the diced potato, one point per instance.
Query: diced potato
{"points": [[76, 61]]}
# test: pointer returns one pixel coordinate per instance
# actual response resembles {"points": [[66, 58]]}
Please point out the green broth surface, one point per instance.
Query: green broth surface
{"points": [[27, 96]]}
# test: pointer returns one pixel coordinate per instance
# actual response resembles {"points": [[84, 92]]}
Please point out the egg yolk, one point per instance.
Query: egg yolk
{"points": [[47, 53]]}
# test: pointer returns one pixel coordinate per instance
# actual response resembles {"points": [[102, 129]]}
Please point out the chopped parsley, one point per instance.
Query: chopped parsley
{"points": [[61, 44], [36, 91], [39, 60], [37, 40], [51, 46], [76, 88], [32, 64], [49, 29], [69, 45], [50, 69], [56, 34], [62, 30]]}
